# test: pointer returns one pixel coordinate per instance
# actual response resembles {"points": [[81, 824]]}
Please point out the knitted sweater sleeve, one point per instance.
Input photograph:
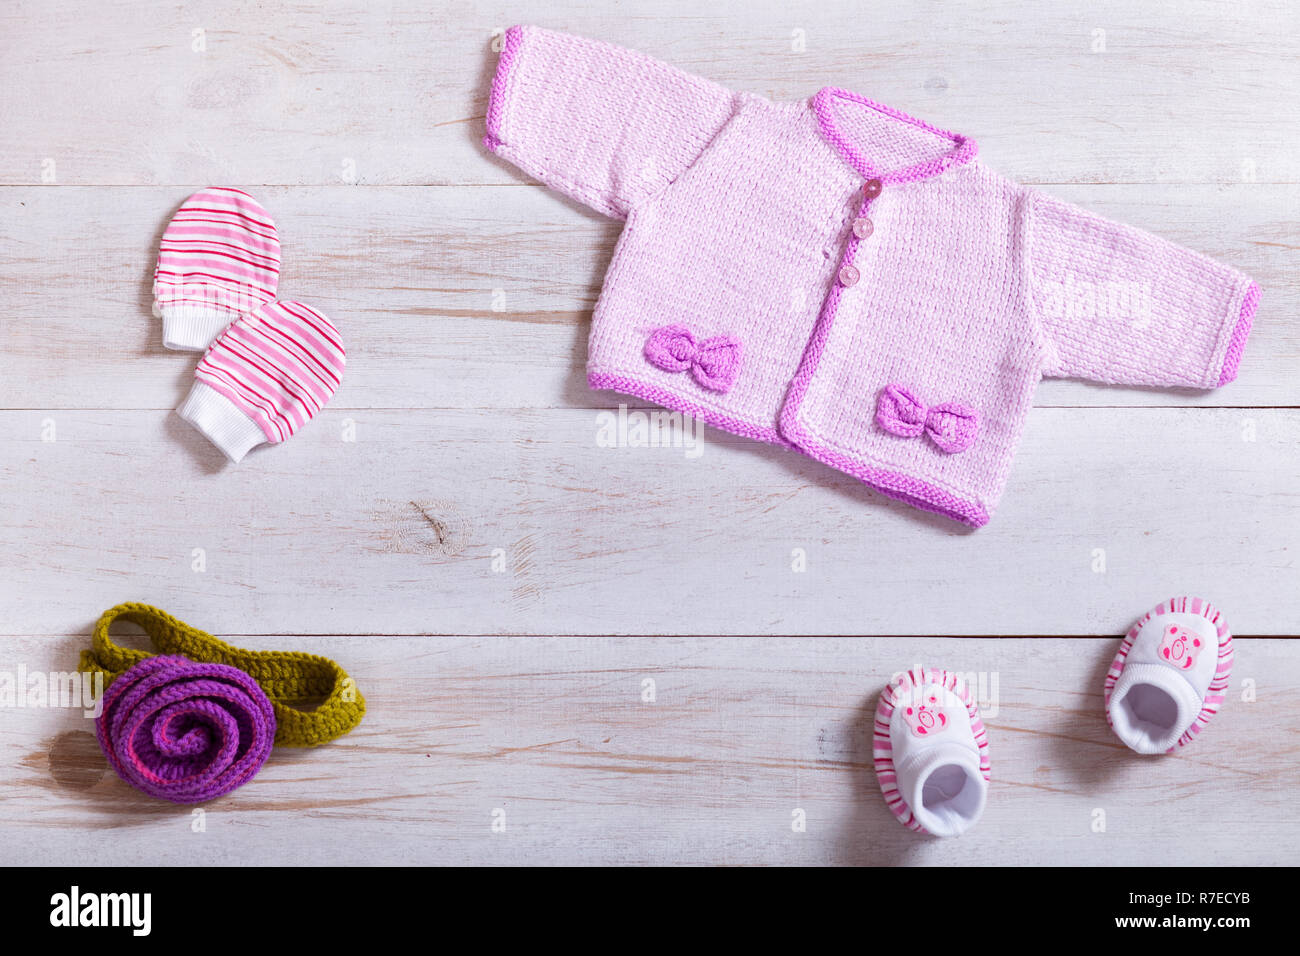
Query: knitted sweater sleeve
{"points": [[1119, 305], [606, 126]]}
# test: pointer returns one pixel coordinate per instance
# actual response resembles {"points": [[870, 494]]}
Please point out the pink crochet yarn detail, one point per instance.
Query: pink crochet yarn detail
{"points": [[951, 426], [714, 363]]}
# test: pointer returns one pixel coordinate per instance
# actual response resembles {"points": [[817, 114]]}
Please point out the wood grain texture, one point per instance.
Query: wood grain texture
{"points": [[482, 297], [461, 522], [557, 734], [115, 93], [476, 514]]}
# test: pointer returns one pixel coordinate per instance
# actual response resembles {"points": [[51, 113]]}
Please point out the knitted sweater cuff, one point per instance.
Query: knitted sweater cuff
{"points": [[1237, 344], [501, 80]]}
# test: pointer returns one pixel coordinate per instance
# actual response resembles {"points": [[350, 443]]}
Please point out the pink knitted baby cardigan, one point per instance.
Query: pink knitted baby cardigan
{"points": [[839, 277]]}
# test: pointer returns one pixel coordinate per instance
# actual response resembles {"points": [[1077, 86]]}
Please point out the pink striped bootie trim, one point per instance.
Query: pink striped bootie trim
{"points": [[265, 377], [219, 259], [931, 752], [1169, 676]]}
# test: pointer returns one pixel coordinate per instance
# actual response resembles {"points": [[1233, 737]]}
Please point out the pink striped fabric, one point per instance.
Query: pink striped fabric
{"points": [[882, 749], [279, 365], [220, 250], [1214, 694]]}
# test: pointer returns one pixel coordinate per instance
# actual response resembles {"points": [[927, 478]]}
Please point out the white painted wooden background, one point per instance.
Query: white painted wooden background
{"points": [[463, 291]]}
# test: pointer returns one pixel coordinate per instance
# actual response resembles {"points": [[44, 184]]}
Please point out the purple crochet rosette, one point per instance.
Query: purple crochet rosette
{"points": [[185, 731]]}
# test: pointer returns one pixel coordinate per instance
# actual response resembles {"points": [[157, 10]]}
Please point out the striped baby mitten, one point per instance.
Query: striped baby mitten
{"points": [[219, 259], [265, 377]]}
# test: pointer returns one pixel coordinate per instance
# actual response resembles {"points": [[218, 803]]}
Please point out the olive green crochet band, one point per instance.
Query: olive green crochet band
{"points": [[313, 698]]}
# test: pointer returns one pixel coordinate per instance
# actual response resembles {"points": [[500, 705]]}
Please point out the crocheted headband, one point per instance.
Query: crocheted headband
{"points": [[312, 698], [185, 732], [219, 259]]}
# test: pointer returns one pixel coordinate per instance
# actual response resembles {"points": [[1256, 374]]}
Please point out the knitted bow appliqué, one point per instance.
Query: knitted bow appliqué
{"points": [[951, 426], [714, 363]]}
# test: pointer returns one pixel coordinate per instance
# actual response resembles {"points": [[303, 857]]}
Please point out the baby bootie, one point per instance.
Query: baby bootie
{"points": [[219, 259], [1168, 679], [265, 377], [931, 752]]}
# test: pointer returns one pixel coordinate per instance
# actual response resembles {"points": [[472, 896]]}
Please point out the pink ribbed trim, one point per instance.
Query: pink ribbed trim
{"points": [[891, 484], [965, 150], [913, 491], [906, 488], [500, 80], [1237, 344], [671, 400]]}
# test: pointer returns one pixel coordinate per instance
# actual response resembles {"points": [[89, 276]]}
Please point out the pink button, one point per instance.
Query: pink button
{"points": [[849, 276], [871, 188], [862, 227]]}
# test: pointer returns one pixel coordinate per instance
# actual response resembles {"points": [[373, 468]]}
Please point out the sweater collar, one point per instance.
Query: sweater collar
{"points": [[883, 143]]}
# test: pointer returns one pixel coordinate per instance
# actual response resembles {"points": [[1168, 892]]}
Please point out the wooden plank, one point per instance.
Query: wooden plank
{"points": [[457, 522], [116, 92], [557, 734], [481, 297], [477, 498]]}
